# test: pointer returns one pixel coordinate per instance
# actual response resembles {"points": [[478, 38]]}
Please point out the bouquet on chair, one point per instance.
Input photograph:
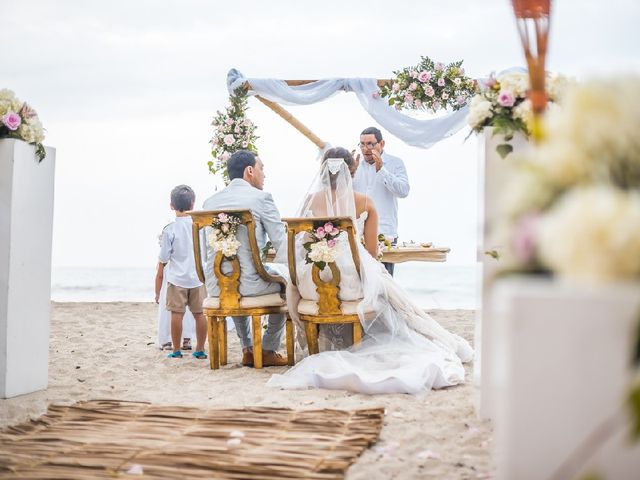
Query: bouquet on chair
{"points": [[223, 237], [322, 248]]}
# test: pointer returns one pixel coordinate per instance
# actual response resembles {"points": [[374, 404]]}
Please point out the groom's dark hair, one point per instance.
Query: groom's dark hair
{"points": [[373, 131], [238, 162]]}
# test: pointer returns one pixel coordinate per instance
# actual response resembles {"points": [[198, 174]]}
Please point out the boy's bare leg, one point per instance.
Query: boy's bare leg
{"points": [[201, 331], [176, 330]]}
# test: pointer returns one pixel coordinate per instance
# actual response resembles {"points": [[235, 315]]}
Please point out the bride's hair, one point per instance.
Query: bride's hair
{"points": [[339, 152]]}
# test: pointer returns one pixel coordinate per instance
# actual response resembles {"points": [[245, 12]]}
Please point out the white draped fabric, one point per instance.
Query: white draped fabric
{"points": [[412, 131]]}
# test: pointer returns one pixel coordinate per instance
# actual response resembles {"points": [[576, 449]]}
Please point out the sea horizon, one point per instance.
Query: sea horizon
{"points": [[430, 285]]}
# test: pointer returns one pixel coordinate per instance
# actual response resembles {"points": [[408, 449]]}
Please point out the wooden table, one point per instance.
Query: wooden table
{"points": [[415, 253]]}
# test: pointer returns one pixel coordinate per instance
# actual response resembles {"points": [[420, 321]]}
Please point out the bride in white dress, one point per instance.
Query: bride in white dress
{"points": [[403, 350]]}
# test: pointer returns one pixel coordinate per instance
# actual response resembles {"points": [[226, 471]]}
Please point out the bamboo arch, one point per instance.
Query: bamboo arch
{"points": [[293, 121]]}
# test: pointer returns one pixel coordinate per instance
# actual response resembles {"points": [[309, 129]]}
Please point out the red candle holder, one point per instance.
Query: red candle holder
{"points": [[533, 19]]}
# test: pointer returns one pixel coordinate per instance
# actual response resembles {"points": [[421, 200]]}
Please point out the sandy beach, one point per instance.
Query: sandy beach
{"points": [[107, 350]]}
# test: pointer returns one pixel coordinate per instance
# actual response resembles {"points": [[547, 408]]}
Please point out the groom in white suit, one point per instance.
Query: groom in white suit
{"points": [[245, 192]]}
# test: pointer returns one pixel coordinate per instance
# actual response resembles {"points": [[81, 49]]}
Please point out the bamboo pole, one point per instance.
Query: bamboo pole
{"points": [[293, 121], [297, 124]]}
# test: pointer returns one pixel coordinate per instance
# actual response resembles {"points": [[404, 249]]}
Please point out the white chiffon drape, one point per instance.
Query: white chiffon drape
{"points": [[413, 131], [404, 350]]}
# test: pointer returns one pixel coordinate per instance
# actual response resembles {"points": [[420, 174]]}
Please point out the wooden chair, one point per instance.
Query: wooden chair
{"points": [[329, 308], [230, 302]]}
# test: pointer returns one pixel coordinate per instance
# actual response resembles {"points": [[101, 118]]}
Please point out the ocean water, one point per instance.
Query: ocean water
{"points": [[431, 285]]}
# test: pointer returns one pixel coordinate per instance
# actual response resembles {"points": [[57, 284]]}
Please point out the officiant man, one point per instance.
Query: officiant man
{"points": [[382, 177]]}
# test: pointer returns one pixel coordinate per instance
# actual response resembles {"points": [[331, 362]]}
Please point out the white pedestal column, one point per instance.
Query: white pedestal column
{"points": [[26, 225], [565, 367], [493, 175]]}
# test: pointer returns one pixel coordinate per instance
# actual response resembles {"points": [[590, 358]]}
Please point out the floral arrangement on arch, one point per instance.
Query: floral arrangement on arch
{"points": [[233, 131], [322, 247], [501, 102], [19, 120], [223, 236], [430, 86], [573, 207]]}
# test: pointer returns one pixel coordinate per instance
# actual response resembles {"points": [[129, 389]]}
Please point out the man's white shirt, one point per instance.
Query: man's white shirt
{"points": [[176, 249], [385, 187]]}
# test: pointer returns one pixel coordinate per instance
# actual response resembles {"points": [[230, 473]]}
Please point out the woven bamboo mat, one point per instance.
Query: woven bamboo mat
{"points": [[111, 439]]}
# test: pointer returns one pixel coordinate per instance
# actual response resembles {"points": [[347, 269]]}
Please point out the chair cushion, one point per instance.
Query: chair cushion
{"points": [[269, 300], [310, 307]]}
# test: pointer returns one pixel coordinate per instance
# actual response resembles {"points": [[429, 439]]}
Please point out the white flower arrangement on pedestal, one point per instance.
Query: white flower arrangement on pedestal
{"points": [[323, 247], [19, 120], [573, 209], [223, 237], [501, 102]]}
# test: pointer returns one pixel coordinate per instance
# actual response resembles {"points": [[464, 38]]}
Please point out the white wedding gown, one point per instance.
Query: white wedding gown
{"points": [[403, 351]]}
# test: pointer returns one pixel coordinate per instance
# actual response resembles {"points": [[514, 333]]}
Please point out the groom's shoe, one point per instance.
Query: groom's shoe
{"points": [[247, 358], [273, 359]]}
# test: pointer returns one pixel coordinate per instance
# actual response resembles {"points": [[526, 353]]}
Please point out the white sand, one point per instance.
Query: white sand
{"points": [[106, 350]]}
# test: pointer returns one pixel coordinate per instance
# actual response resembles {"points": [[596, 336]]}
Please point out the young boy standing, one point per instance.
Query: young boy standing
{"points": [[184, 288]]}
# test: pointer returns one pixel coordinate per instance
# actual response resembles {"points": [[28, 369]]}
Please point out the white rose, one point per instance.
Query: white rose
{"points": [[593, 233], [479, 111], [516, 82]]}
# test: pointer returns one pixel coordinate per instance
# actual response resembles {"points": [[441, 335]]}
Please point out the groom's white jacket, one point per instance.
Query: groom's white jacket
{"points": [[239, 194]]}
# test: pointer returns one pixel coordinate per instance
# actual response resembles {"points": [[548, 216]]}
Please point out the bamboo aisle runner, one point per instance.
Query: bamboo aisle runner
{"points": [[111, 439]]}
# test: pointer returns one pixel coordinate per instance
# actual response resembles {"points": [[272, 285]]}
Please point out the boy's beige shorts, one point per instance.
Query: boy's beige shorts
{"points": [[179, 298]]}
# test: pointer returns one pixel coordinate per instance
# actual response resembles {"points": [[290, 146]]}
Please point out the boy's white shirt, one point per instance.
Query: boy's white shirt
{"points": [[176, 250]]}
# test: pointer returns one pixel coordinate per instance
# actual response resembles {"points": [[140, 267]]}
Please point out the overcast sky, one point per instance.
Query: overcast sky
{"points": [[127, 89]]}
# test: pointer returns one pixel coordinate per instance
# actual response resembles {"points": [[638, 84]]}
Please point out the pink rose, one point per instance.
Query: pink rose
{"points": [[247, 122], [331, 243], [424, 77], [413, 86], [225, 156], [229, 121], [441, 82], [328, 227], [223, 217], [320, 233], [237, 129], [429, 92], [524, 238], [445, 95], [460, 100], [228, 140], [395, 87], [11, 120], [439, 67], [408, 99], [506, 98], [457, 80]]}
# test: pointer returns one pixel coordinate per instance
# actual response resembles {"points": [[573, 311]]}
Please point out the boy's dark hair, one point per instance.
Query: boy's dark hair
{"points": [[182, 198], [238, 162], [373, 131]]}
